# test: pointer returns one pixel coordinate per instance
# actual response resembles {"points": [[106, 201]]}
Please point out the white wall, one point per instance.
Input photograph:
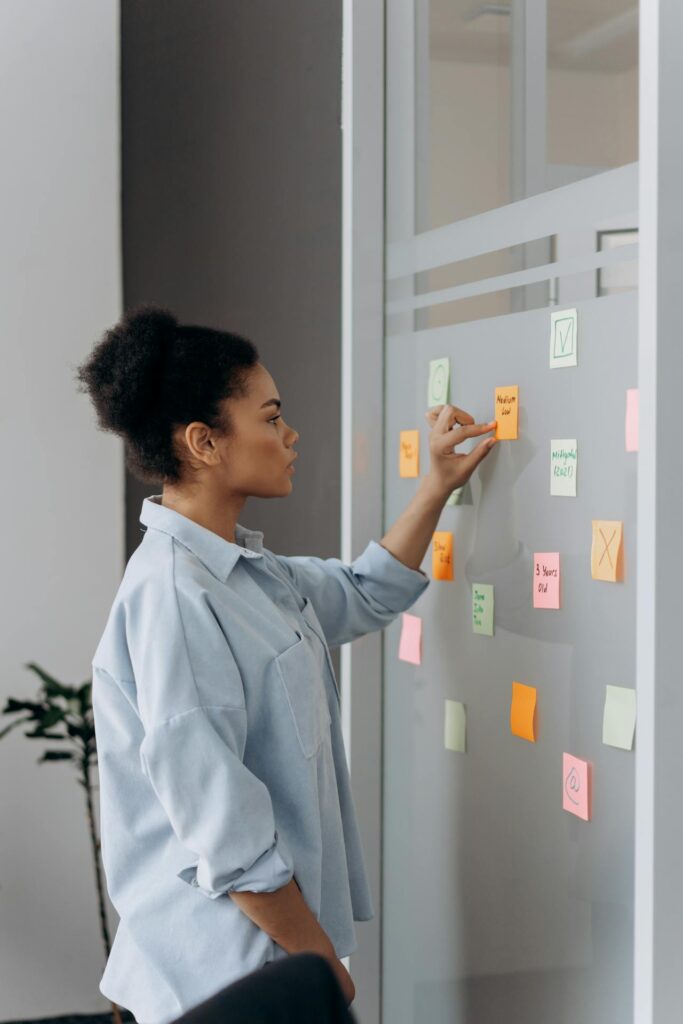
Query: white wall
{"points": [[61, 515]]}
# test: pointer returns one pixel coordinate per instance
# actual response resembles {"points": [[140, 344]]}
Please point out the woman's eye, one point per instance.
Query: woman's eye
{"points": [[275, 418]]}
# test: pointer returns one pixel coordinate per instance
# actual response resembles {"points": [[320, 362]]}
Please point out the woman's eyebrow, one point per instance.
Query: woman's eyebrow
{"points": [[273, 401]]}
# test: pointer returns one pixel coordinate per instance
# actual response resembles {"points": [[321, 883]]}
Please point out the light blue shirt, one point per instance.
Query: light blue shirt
{"points": [[221, 760]]}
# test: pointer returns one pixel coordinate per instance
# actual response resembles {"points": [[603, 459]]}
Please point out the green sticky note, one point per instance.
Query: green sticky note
{"points": [[619, 718], [460, 496], [482, 608], [455, 726], [438, 392]]}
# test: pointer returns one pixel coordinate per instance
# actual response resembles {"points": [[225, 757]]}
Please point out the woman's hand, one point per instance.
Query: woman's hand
{"points": [[450, 426], [345, 980]]}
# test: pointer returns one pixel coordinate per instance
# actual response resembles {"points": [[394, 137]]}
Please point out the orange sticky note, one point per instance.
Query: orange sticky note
{"points": [[507, 413], [577, 786], [409, 453], [607, 550], [523, 712], [442, 555], [410, 646]]}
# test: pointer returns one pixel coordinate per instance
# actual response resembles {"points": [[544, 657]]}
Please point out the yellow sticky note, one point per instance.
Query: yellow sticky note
{"points": [[523, 712], [442, 555], [507, 413], [607, 550], [409, 453]]}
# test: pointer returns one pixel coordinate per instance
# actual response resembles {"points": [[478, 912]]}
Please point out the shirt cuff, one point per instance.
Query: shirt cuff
{"points": [[269, 872], [388, 580]]}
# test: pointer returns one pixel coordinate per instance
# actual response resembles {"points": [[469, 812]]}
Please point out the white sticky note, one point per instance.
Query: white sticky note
{"points": [[455, 726], [619, 718], [564, 458], [564, 328]]}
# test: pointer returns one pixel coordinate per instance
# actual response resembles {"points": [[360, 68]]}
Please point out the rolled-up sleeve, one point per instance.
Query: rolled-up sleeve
{"points": [[191, 704], [216, 806], [353, 599]]}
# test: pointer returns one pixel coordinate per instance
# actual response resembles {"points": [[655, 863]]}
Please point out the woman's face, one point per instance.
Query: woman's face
{"points": [[256, 459]]}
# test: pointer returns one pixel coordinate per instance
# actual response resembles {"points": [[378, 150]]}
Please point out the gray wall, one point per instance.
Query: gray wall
{"points": [[232, 213], [61, 518]]}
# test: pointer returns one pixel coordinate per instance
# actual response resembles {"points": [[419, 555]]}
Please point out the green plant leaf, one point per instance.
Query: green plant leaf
{"points": [[55, 755], [22, 705], [13, 725], [52, 685]]}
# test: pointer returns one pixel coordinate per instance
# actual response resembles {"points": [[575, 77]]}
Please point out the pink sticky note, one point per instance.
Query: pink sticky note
{"points": [[576, 786], [546, 582], [632, 409], [409, 648]]}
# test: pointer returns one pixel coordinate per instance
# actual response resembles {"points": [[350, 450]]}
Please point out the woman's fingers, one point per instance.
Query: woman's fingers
{"points": [[442, 417], [459, 434], [472, 459]]}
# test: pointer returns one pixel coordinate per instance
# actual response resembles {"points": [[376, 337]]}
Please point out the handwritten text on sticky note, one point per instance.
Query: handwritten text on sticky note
{"points": [[410, 646], [577, 786], [482, 608], [507, 412], [563, 338], [607, 550], [546, 582], [409, 453], [523, 712], [442, 555], [563, 465]]}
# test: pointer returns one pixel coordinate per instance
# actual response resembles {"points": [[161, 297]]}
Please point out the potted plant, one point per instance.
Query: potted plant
{"points": [[64, 714]]}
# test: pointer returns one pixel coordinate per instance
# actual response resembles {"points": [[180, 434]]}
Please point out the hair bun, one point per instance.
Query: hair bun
{"points": [[125, 371]]}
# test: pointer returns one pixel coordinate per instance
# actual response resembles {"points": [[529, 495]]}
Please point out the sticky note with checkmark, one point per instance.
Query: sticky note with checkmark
{"points": [[607, 550], [563, 338]]}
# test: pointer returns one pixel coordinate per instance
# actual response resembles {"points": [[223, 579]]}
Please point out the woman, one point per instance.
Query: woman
{"points": [[220, 752]]}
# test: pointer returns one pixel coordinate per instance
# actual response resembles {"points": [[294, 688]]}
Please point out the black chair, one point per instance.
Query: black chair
{"points": [[299, 989]]}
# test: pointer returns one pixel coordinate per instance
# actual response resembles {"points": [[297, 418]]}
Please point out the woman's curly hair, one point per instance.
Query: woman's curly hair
{"points": [[149, 374]]}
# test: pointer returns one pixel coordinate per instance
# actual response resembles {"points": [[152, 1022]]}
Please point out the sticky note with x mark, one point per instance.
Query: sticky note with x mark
{"points": [[409, 453], [607, 550]]}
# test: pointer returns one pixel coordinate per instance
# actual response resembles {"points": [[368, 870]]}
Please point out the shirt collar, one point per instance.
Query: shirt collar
{"points": [[217, 554]]}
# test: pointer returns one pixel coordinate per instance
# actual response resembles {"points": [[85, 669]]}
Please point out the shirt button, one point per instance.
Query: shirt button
{"points": [[195, 882]]}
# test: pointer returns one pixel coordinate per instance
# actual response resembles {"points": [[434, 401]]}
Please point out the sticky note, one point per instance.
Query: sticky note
{"points": [[563, 463], [455, 726], [482, 608], [632, 417], [546, 581], [619, 717], [442, 555], [523, 712], [409, 453], [410, 646], [577, 785], [607, 550], [439, 388], [507, 412], [460, 496], [563, 338]]}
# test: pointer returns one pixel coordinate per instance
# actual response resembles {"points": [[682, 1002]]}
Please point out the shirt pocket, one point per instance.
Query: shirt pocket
{"points": [[299, 673]]}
